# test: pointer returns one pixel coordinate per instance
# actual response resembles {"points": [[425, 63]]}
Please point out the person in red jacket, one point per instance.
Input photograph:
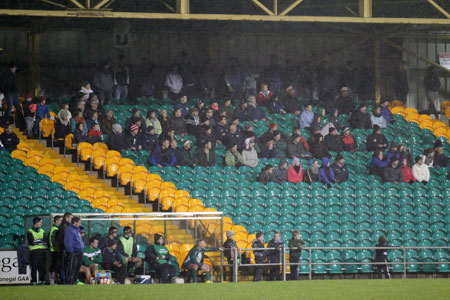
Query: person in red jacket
{"points": [[407, 172], [295, 172], [349, 140], [94, 135], [264, 95]]}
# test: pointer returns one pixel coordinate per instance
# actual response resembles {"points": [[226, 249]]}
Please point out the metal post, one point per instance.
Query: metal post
{"points": [[131, 188], [235, 265], [404, 263], [221, 255], [51, 134], [145, 194], [117, 180], [165, 229], [195, 229], [377, 70], [310, 264], [221, 266], [283, 263]]}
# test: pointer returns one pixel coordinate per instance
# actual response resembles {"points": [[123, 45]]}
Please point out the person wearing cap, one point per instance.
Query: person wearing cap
{"points": [[37, 243], [392, 173], [117, 140], [376, 140], [265, 175], [295, 245], [41, 113], [149, 139], [206, 156], [280, 173], [254, 111], [9, 139], [29, 113], [112, 260], [334, 141], [376, 118], [228, 252], [153, 121], [421, 171], [306, 117], [249, 154], [339, 169], [163, 155], [264, 95], [129, 247], [187, 155], [133, 139], [74, 246], [103, 82], [439, 159], [326, 172], [232, 157], [8, 86], [348, 140], [159, 259], [92, 259], [55, 253], [345, 101], [194, 260], [360, 118], [177, 122]]}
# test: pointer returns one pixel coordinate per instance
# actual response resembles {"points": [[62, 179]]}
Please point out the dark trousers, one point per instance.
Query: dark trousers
{"points": [[385, 269], [120, 273], [274, 272], [230, 269], [259, 271], [104, 97], [73, 265], [13, 100], [55, 265], [165, 271], [37, 264], [294, 268]]}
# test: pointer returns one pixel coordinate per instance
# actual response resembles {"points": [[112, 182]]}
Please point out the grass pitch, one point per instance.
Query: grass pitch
{"points": [[417, 289]]}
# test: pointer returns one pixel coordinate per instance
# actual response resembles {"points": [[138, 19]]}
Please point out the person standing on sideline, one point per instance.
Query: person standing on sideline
{"points": [[260, 255], [55, 254], [432, 86], [228, 246], [295, 246], [381, 256], [74, 247], [38, 246], [274, 255]]}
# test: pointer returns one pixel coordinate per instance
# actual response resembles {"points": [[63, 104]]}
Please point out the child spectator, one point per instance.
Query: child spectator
{"points": [[407, 172], [326, 172], [377, 163], [420, 171], [79, 134], [264, 95], [295, 172], [93, 120], [313, 173], [41, 113], [94, 135], [249, 155], [348, 140], [153, 121], [266, 174]]}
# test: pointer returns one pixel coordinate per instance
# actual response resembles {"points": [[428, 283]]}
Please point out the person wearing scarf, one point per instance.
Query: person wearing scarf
{"points": [[312, 174], [62, 125], [86, 90]]}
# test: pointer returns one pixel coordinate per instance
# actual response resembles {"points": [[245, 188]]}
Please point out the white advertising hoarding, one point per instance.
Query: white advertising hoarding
{"points": [[9, 269], [444, 60]]}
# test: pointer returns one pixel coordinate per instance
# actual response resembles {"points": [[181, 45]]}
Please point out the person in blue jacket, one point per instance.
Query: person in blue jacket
{"points": [[254, 111], [385, 111], [326, 172], [41, 113], [162, 156], [73, 245], [378, 163]]}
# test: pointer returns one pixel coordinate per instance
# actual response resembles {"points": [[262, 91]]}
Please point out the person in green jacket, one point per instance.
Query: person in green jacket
{"points": [[194, 260], [55, 254], [232, 157], [92, 259], [295, 246]]}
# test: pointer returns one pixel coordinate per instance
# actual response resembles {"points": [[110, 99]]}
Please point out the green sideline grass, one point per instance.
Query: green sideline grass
{"points": [[417, 289]]}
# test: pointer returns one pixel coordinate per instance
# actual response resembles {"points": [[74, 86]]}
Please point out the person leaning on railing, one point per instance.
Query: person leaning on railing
{"points": [[295, 246], [260, 255]]}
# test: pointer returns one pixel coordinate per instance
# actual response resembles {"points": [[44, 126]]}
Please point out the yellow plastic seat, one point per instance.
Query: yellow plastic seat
{"points": [[47, 127], [111, 160], [85, 154], [98, 162], [46, 169], [152, 193], [111, 169], [68, 141], [166, 202], [152, 176], [409, 110], [438, 124], [61, 170], [153, 183], [441, 132], [251, 238], [84, 145], [19, 154], [140, 169], [426, 124], [238, 228], [167, 185], [424, 117], [412, 117], [86, 193], [181, 193], [182, 208], [22, 146], [126, 161], [113, 153], [100, 146], [397, 103], [397, 110], [60, 178], [194, 202]]}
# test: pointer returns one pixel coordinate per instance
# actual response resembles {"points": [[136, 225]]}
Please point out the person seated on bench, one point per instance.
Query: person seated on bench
{"points": [[194, 260], [160, 260], [112, 261]]}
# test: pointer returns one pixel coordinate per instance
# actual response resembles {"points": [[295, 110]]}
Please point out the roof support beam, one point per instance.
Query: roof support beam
{"points": [[291, 7], [169, 7], [77, 4], [53, 3], [85, 13], [101, 4], [183, 7], [439, 8], [365, 8], [263, 7]]}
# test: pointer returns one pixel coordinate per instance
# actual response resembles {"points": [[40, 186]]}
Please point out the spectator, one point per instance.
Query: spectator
{"points": [[404, 153], [260, 255], [326, 172], [313, 173], [348, 140], [41, 113], [206, 156], [360, 118], [170, 135], [439, 159], [407, 172], [315, 124], [273, 255], [381, 256], [428, 157], [104, 83], [228, 247], [400, 84], [188, 156], [117, 140], [121, 79], [92, 259], [194, 260], [232, 157], [107, 122], [306, 117], [162, 156], [385, 111], [183, 105], [280, 174], [55, 253], [177, 123], [29, 113], [340, 169], [334, 141], [420, 171], [133, 139], [264, 95], [37, 241], [201, 107], [129, 246], [295, 251], [60, 234], [93, 105], [220, 131], [94, 135], [392, 152], [392, 172], [249, 155], [376, 141], [318, 147], [254, 111], [93, 120], [208, 119], [78, 118], [241, 112], [280, 144], [154, 122], [250, 84], [378, 163], [159, 258], [227, 110], [297, 147], [268, 150], [113, 234], [9, 88], [174, 82], [432, 85], [376, 118], [112, 260], [290, 101], [74, 246], [79, 134], [134, 119], [295, 172], [345, 101], [65, 108], [192, 122], [177, 153], [334, 119], [268, 135], [164, 121], [234, 79], [149, 139], [266, 174]]}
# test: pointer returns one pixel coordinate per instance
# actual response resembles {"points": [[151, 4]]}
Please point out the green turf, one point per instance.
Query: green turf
{"points": [[417, 289]]}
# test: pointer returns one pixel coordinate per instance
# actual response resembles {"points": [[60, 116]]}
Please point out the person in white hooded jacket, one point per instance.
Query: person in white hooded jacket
{"points": [[249, 154], [421, 171]]}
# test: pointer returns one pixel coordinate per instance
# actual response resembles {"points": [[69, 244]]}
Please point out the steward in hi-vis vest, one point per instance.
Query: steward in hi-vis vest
{"points": [[55, 253], [37, 241]]}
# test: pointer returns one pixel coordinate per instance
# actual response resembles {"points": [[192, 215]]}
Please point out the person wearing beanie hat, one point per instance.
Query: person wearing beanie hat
{"points": [[187, 155], [134, 119], [340, 169], [360, 118], [194, 260], [37, 240], [421, 171], [133, 139], [307, 116], [439, 159], [334, 141], [295, 171], [41, 113], [249, 154], [228, 252], [112, 260], [159, 259], [376, 140]]}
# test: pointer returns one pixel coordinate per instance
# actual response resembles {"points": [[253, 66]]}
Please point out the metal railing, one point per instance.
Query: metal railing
{"points": [[283, 263]]}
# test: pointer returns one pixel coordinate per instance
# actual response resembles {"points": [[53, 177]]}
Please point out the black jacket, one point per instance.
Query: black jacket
{"points": [[202, 159], [110, 257], [133, 141], [340, 173], [264, 177], [260, 255], [274, 255], [103, 244], [319, 150], [61, 130], [374, 140], [334, 143], [177, 124], [9, 141], [8, 82], [381, 254], [79, 136], [360, 120], [117, 142], [439, 160], [23, 258], [267, 153], [241, 114], [149, 141], [310, 177], [220, 132], [187, 157], [391, 174], [228, 245], [60, 235]]}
